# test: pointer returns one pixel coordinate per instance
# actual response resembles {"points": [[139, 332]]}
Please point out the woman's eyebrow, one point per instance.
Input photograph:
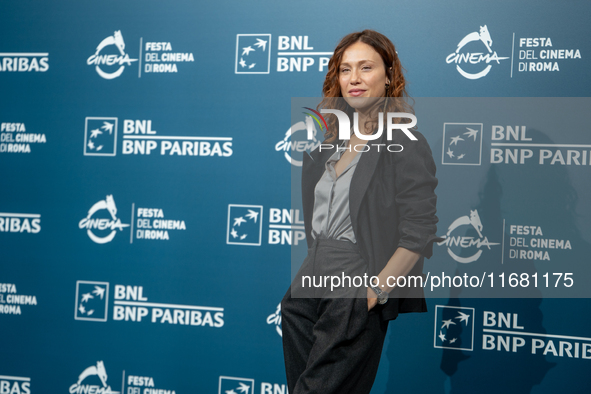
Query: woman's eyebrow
{"points": [[359, 61]]}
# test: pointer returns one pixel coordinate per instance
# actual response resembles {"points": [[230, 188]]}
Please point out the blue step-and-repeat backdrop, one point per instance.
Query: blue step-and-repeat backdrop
{"points": [[146, 217]]}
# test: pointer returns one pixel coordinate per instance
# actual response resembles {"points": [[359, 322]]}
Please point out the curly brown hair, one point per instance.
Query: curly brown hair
{"points": [[331, 90]]}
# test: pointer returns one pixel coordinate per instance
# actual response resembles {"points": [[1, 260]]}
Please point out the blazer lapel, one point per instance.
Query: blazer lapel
{"points": [[361, 178], [313, 167]]}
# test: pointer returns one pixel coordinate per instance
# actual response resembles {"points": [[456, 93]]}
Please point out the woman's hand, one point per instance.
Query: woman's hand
{"points": [[372, 299]]}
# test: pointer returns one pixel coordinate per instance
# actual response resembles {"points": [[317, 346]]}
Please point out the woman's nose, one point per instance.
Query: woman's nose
{"points": [[354, 76]]}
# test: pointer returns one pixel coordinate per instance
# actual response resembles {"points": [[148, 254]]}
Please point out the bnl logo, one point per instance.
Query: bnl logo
{"points": [[100, 136], [253, 54], [91, 300], [231, 385], [245, 225], [454, 327], [462, 144]]}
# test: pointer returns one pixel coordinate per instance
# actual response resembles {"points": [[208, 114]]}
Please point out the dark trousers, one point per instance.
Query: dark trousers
{"points": [[331, 345]]}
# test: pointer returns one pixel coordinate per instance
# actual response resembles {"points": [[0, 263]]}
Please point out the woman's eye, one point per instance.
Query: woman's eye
{"points": [[344, 70]]}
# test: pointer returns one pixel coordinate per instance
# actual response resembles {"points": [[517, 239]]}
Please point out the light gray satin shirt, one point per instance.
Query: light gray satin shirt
{"points": [[331, 217]]}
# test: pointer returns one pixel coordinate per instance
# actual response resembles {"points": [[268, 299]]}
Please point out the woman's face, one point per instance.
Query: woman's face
{"points": [[362, 76]]}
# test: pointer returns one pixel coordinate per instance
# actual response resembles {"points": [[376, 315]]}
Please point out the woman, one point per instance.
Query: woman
{"points": [[367, 213]]}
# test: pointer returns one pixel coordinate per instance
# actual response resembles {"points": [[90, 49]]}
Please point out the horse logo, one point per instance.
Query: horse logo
{"points": [[458, 57], [293, 143], [108, 203], [99, 370], [115, 39], [122, 59], [102, 224], [466, 242], [483, 36]]}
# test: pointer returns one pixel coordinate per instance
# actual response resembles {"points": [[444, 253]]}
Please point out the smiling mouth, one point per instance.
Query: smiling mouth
{"points": [[356, 92]]}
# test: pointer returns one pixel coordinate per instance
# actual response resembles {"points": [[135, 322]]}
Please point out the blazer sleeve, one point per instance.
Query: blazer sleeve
{"points": [[416, 201]]}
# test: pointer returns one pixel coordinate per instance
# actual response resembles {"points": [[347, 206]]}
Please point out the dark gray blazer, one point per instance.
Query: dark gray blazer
{"points": [[392, 203]]}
